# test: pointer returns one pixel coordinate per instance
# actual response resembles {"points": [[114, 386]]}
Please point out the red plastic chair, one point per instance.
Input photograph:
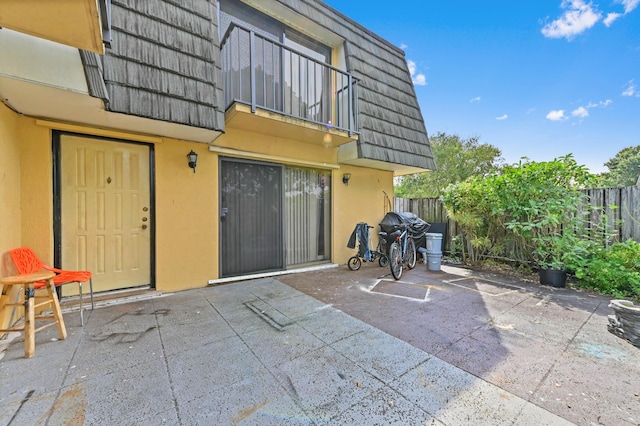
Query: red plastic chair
{"points": [[27, 262]]}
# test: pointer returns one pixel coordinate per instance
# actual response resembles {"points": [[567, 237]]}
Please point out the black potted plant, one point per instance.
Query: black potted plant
{"points": [[551, 253]]}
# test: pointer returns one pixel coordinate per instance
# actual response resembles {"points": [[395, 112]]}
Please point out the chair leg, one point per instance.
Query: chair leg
{"points": [[81, 309], [91, 291], [29, 323], [57, 312]]}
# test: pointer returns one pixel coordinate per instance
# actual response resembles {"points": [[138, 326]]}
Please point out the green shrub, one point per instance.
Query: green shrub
{"points": [[533, 212], [615, 271]]}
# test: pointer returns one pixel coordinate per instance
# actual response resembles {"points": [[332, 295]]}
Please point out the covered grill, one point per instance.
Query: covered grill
{"points": [[417, 227]]}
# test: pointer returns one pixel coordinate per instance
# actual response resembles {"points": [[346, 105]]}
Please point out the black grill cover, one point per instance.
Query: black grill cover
{"points": [[417, 227]]}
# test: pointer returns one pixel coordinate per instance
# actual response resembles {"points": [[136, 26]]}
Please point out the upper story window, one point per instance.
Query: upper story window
{"points": [[265, 25], [308, 46], [272, 66]]}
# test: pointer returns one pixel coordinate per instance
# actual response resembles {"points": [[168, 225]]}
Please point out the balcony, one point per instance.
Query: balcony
{"points": [[264, 78]]}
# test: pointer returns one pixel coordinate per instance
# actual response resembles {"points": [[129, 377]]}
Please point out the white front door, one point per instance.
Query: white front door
{"points": [[106, 211]]}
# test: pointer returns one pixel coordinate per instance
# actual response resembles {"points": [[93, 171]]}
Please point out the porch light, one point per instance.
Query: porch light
{"points": [[326, 140], [193, 159], [345, 178]]}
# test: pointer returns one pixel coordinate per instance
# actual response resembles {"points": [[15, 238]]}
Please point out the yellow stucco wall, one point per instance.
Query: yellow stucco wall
{"points": [[363, 200], [186, 216], [367, 198], [9, 180], [26, 199], [25, 189], [275, 146], [36, 177], [186, 203], [9, 195], [26, 207]]}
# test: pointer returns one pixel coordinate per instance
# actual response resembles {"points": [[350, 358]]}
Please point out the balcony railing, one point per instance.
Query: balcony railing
{"points": [[266, 74]]}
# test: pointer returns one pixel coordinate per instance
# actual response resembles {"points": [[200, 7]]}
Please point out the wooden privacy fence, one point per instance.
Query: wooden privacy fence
{"points": [[620, 207], [432, 211]]}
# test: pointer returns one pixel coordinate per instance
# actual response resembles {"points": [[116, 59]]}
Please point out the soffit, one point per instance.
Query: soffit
{"points": [[240, 117], [72, 22], [59, 104]]}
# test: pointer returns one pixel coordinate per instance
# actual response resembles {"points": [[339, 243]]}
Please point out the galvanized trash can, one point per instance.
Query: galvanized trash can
{"points": [[434, 243]]}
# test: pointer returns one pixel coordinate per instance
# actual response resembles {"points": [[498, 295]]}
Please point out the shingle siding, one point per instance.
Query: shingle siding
{"points": [[164, 62], [144, 51], [94, 75], [391, 124]]}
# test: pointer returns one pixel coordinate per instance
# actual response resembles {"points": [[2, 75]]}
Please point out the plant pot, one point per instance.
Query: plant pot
{"points": [[553, 277], [626, 321]]}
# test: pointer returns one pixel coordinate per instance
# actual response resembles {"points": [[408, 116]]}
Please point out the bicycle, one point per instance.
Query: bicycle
{"points": [[355, 262], [402, 251]]}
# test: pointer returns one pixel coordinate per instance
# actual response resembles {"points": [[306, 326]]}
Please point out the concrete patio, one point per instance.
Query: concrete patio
{"points": [[333, 347]]}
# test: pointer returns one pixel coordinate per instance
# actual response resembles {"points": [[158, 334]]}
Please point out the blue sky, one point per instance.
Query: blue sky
{"points": [[537, 78]]}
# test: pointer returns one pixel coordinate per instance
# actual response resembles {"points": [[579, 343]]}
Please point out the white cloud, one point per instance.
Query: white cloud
{"points": [[629, 5], [577, 18], [418, 79], [611, 17], [412, 66], [630, 90], [404, 46], [556, 115], [580, 112], [476, 99], [601, 104], [502, 117]]}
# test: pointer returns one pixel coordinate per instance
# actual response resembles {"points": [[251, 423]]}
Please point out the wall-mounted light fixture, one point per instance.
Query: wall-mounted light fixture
{"points": [[193, 160], [345, 178]]}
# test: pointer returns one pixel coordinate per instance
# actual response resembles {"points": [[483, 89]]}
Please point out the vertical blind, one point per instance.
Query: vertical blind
{"points": [[308, 215]]}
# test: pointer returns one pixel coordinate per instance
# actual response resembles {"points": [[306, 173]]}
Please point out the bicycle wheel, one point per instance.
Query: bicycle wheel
{"points": [[411, 256], [383, 260], [395, 260], [354, 263]]}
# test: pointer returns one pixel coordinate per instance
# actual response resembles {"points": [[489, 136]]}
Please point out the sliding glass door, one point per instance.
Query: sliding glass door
{"points": [[308, 213], [272, 217], [251, 218]]}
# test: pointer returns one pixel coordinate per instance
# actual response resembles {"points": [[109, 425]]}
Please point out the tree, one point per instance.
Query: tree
{"points": [[456, 160], [624, 169]]}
